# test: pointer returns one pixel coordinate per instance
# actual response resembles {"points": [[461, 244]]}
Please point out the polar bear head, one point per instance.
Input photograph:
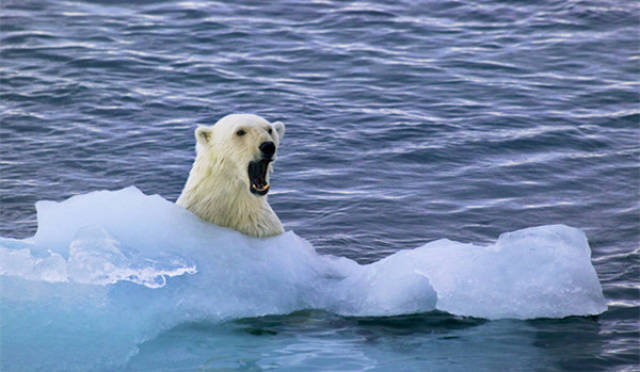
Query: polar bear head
{"points": [[229, 179], [242, 147]]}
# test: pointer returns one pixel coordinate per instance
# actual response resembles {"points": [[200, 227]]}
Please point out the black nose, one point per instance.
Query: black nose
{"points": [[268, 148]]}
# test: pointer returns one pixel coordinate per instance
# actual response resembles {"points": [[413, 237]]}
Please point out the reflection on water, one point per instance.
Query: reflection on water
{"points": [[313, 339]]}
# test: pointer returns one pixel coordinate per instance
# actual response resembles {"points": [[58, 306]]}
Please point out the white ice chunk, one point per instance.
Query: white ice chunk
{"points": [[111, 269], [104, 237], [537, 272]]}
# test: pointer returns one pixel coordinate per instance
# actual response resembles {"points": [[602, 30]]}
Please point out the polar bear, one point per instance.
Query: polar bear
{"points": [[229, 179]]}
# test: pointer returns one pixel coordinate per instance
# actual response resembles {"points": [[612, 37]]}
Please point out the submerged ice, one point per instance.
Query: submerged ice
{"points": [[109, 270]]}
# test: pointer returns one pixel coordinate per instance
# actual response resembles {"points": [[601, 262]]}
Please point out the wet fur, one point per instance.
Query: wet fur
{"points": [[217, 189]]}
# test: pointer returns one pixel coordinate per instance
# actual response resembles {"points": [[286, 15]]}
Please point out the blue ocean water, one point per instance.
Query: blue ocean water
{"points": [[406, 123]]}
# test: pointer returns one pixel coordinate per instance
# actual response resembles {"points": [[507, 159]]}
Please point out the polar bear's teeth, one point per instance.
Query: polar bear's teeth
{"points": [[263, 188]]}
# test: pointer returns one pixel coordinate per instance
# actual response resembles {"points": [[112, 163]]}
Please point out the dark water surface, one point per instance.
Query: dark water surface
{"points": [[406, 123]]}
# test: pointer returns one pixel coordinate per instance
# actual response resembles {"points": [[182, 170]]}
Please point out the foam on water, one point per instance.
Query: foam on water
{"points": [[108, 270]]}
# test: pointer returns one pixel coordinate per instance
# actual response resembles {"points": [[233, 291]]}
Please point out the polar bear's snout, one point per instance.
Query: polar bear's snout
{"points": [[258, 170], [268, 149]]}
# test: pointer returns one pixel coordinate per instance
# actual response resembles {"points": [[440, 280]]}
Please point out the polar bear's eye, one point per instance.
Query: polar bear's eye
{"points": [[241, 132], [269, 130]]}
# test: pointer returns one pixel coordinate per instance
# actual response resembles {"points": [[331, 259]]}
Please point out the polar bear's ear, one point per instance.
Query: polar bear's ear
{"points": [[203, 134], [279, 127]]}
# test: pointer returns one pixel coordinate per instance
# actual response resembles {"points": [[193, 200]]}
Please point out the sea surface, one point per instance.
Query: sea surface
{"points": [[407, 122]]}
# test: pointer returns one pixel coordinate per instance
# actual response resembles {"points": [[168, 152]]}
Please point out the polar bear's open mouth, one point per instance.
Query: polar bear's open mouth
{"points": [[258, 176]]}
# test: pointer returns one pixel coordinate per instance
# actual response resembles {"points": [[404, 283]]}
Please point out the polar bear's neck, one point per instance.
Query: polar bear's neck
{"points": [[216, 195]]}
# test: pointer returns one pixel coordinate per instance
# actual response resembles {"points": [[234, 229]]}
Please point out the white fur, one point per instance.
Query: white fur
{"points": [[217, 189]]}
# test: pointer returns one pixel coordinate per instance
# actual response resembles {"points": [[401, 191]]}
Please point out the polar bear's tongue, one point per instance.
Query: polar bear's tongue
{"points": [[258, 177]]}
